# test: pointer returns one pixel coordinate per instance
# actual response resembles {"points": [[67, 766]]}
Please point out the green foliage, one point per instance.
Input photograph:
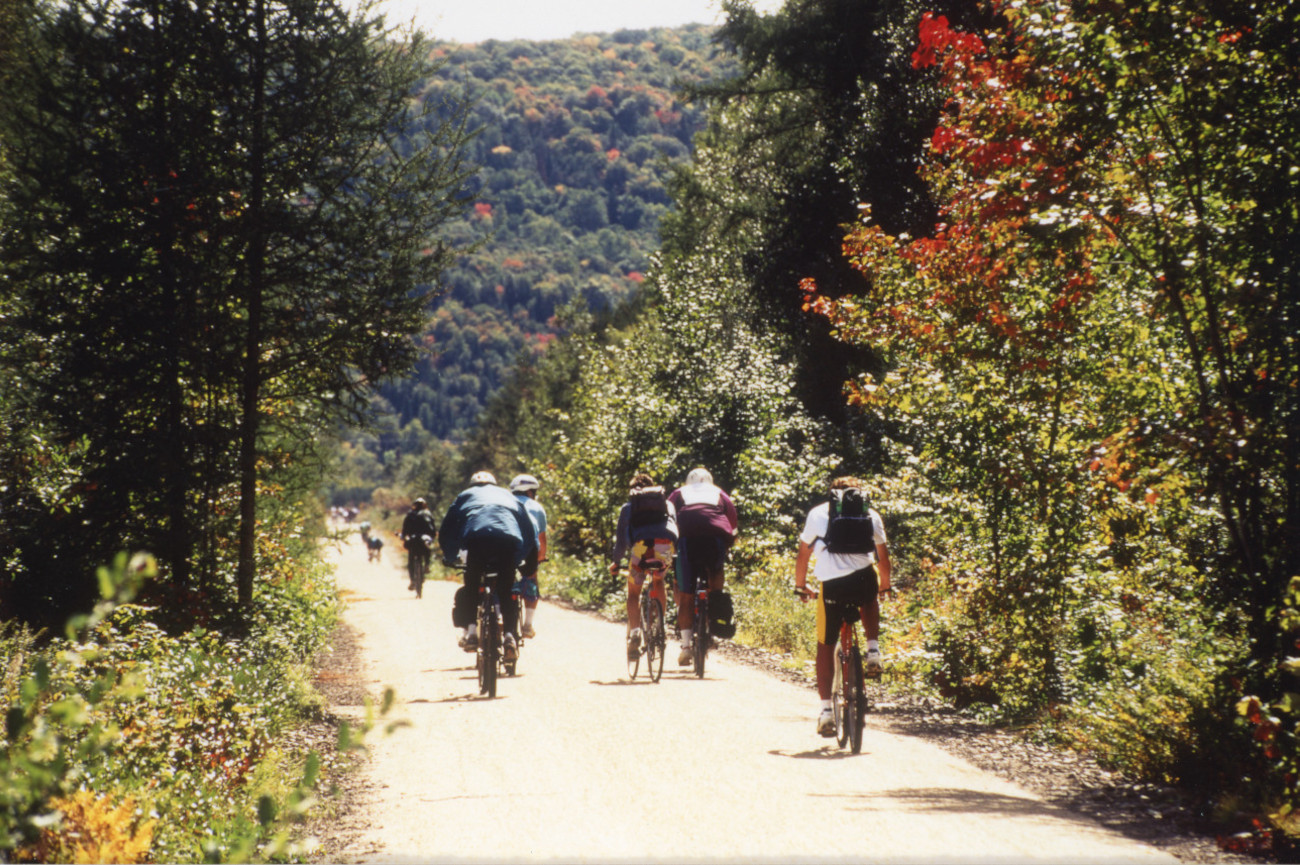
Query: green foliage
{"points": [[204, 265], [575, 143], [184, 725]]}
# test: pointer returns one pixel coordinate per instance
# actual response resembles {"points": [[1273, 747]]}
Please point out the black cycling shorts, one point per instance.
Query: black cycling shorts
{"points": [[841, 600]]}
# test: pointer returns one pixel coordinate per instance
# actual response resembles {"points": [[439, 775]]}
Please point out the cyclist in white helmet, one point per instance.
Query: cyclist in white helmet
{"points": [[525, 489], [497, 535], [706, 524]]}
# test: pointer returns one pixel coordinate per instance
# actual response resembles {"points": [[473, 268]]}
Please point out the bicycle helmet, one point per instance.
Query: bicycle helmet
{"points": [[523, 483], [482, 478], [699, 476]]}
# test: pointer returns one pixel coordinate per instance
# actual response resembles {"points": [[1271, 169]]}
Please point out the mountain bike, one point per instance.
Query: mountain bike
{"points": [[654, 637], [417, 562], [849, 703]]}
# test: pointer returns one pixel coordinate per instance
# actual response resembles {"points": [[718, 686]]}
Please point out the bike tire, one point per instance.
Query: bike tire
{"points": [[837, 700], [489, 648], [656, 639], [855, 700], [701, 635]]}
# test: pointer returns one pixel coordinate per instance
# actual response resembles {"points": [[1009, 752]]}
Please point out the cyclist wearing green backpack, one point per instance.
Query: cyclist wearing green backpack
{"points": [[846, 538]]}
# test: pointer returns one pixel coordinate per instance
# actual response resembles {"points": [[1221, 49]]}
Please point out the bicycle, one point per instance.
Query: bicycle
{"points": [[417, 562], [654, 636], [700, 649], [849, 704]]}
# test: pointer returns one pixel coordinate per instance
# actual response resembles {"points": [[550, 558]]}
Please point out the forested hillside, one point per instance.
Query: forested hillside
{"points": [[576, 139]]}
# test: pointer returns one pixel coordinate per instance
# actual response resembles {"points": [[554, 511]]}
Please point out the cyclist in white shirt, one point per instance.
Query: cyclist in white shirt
{"points": [[845, 538]]}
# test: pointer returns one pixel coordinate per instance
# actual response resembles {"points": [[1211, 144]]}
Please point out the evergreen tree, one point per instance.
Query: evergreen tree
{"points": [[220, 227]]}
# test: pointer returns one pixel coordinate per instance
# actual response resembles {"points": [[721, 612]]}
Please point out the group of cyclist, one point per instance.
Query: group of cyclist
{"points": [[489, 529]]}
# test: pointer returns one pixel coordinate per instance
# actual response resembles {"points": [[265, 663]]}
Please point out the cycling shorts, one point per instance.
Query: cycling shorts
{"points": [[700, 557], [841, 600], [660, 549]]}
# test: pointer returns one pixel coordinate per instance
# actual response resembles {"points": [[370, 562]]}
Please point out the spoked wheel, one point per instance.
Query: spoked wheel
{"points": [[655, 638], [837, 701], [855, 701], [701, 636], [488, 648]]}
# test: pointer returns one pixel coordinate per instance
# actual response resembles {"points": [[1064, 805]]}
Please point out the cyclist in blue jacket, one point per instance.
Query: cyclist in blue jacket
{"points": [[497, 535]]}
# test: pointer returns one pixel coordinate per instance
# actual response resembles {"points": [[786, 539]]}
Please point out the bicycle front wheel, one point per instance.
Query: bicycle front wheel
{"points": [[655, 636]]}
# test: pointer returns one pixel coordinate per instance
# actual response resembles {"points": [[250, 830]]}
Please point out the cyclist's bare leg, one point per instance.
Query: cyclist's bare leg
{"points": [[825, 670], [871, 618], [634, 599]]}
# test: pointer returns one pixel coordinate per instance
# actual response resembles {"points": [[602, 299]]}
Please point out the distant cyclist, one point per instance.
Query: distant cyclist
{"points": [[647, 530], [525, 489], [706, 524], [846, 537], [418, 531], [497, 535]]}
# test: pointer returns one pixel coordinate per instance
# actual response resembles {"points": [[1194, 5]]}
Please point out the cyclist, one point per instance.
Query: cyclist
{"points": [[417, 525], [525, 489], [848, 543], [494, 530], [647, 531], [706, 524]]}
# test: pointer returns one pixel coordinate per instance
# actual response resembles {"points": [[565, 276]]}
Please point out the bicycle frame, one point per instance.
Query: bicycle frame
{"points": [[653, 635]]}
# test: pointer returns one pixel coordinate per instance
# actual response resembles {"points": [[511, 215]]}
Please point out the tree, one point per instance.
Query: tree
{"points": [[826, 113], [1100, 329], [222, 224]]}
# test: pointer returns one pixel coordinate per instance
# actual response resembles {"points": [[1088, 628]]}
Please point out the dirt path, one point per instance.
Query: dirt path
{"points": [[573, 762]]}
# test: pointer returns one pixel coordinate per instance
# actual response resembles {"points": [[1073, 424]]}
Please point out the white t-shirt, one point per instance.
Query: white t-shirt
{"points": [[828, 565]]}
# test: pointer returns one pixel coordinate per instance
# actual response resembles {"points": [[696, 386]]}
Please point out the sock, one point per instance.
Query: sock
{"points": [[873, 645], [686, 636], [826, 704], [528, 615], [471, 631]]}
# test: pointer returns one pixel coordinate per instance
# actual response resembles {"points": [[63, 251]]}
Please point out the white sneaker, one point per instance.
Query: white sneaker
{"points": [[826, 723], [528, 632], [634, 645], [510, 652], [687, 657], [875, 663], [469, 642]]}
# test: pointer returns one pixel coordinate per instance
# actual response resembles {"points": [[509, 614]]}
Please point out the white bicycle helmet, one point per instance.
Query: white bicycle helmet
{"points": [[699, 476], [481, 478], [523, 483]]}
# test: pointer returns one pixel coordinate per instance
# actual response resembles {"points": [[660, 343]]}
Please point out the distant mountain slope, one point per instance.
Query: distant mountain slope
{"points": [[576, 138]]}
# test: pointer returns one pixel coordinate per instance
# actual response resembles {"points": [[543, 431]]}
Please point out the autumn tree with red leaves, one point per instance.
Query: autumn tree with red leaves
{"points": [[1094, 353]]}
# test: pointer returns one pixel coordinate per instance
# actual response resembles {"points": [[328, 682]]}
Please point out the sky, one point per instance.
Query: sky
{"points": [[478, 20]]}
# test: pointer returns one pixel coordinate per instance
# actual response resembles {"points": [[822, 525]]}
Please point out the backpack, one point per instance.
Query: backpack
{"points": [[649, 507], [849, 530], [722, 615]]}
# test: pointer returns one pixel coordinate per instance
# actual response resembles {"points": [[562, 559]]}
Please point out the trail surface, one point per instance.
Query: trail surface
{"points": [[574, 762]]}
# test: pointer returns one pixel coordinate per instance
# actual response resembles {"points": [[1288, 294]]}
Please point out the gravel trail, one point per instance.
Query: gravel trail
{"points": [[574, 762]]}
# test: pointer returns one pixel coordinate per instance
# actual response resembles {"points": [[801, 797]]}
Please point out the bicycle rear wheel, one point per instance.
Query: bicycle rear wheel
{"points": [[701, 634], [489, 647], [855, 700], [655, 637], [837, 699]]}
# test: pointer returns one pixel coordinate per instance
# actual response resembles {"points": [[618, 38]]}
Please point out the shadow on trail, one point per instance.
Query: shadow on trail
{"points": [[826, 752], [621, 682], [954, 800]]}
